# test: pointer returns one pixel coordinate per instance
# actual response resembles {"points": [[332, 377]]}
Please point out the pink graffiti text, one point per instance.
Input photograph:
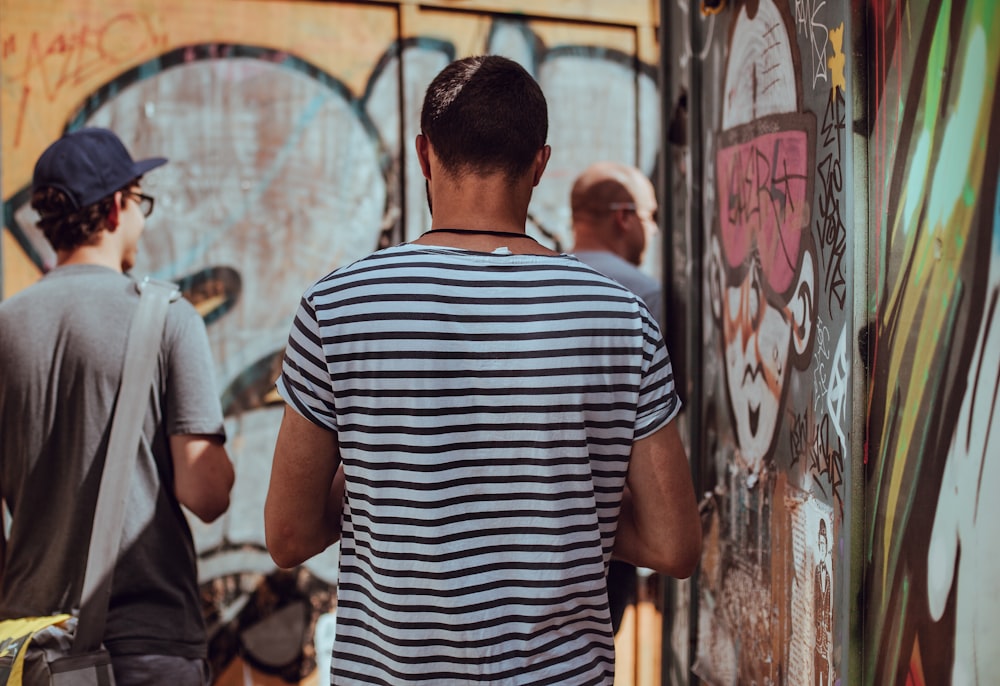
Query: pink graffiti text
{"points": [[764, 202]]}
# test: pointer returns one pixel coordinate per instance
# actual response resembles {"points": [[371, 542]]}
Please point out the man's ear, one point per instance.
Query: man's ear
{"points": [[113, 212], [802, 307], [620, 217], [541, 161], [424, 155]]}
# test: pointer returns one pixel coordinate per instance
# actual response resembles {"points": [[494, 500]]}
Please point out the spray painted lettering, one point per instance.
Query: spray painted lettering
{"points": [[830, 223], [44, 65], [819, 448]]}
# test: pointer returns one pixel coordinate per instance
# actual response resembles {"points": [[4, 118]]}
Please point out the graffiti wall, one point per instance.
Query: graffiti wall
{"points": [[760, 141], [932, 557], [834, 180], [289, 128]]}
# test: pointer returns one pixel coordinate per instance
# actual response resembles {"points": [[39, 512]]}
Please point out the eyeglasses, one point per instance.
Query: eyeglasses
{"points": [[145, 202], [653, 216]]}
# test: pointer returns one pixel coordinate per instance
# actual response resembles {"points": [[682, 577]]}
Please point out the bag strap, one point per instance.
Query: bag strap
{"points": [[141, 352]]}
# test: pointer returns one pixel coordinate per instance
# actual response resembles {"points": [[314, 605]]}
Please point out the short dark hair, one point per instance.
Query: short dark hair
{"points": [[484, 115], [66, 228]]}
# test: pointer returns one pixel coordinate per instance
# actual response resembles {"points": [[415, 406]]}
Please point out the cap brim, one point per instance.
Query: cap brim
{"points": [[143, 166]]}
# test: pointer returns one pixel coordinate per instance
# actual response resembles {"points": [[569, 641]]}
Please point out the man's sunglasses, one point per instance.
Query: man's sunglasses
{"points": [[145, 202]]}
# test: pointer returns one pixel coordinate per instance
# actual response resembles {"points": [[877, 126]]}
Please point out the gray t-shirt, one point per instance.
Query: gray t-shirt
{"points": [[62, 342], [630, 276]]}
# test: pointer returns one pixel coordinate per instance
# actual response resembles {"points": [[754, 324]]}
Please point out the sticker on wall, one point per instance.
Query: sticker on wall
{"points": [[811, 596]]}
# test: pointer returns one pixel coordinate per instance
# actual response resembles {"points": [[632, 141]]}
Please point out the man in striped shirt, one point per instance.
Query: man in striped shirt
{"points": [[481, 421]]}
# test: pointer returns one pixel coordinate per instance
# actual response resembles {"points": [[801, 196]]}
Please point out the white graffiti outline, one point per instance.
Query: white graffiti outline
{"points": [[805, 21], [839, 388], [688, 52], [820, 375]]}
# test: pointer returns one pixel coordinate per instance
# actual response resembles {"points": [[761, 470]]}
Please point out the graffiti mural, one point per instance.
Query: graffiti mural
{"points": [[777, 292], [286, 161], [801, 171], [932, 442]]}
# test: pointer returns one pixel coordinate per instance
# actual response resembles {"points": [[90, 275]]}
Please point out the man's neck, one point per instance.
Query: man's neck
{"points": [[89, 254], [588, 241], [486, 216], [482, 210], [483, 206]]}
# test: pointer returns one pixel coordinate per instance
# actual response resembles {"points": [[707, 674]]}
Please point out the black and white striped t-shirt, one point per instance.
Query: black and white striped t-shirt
{"points": [[485, 405]]}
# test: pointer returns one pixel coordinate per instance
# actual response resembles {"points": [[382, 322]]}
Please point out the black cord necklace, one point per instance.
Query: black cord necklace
{"points": [[515, 234]]}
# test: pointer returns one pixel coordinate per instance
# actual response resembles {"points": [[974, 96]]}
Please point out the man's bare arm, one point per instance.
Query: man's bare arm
{"points": [[305, 497], [203, 474], [659, 526]]}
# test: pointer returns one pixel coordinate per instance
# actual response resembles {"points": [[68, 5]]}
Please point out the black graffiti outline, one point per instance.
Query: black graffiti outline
{"points": [[830, 227], [822, 450]]}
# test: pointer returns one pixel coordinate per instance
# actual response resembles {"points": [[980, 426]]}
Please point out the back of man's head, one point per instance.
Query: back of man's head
{"points": [[485, 115], [600, 187], [74, 182]]}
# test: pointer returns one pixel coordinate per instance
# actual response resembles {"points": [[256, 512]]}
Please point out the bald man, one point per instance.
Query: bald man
{"points": [[614, 217]]}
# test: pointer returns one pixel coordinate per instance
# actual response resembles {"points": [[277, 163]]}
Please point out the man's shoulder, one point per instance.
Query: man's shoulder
{"points": [[611, 264], [183, 321], [62, 287], [622, 271], [389, 258]]}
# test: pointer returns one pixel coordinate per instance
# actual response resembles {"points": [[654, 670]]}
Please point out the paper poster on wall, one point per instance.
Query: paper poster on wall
{"points": [[812, 616]]}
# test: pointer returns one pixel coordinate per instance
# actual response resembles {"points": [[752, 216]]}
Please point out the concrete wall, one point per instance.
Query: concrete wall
{"points": [[290, 127], [832, 180]]}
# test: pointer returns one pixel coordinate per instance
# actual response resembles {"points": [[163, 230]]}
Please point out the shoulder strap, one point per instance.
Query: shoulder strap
{"points": [[141, 351]]}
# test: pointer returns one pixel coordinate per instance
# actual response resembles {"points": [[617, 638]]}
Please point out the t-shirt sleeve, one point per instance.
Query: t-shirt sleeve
{"points": [[192, 405], [658, 399], [305, 378]]}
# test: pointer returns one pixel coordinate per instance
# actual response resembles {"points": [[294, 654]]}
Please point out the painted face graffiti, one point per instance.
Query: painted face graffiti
{"points": [[761, 273], [756, 339]]}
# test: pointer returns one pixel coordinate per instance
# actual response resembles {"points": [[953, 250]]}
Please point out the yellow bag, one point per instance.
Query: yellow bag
{"points": [[35, 651]]}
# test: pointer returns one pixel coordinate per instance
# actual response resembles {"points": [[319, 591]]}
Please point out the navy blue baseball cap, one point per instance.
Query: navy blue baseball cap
{"points": [[89, 165]]}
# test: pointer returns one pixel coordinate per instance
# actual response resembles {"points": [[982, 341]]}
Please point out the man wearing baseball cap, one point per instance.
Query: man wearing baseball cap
{"points": [[62, 344]]}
